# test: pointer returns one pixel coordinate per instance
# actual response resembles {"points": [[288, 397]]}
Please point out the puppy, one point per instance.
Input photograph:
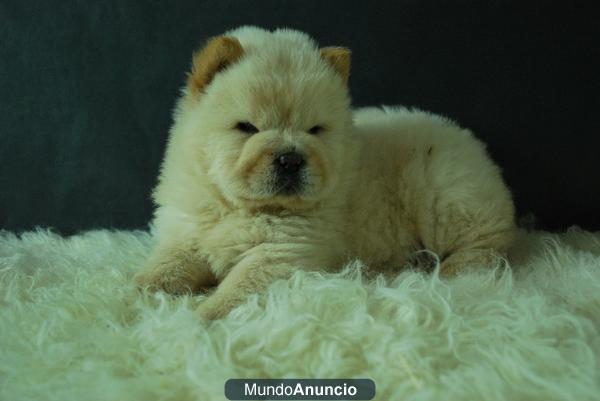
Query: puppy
{"points": [[268, 170]]}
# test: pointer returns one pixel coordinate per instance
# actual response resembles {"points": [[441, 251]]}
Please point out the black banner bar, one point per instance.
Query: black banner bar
{"points": [[299, 389]]}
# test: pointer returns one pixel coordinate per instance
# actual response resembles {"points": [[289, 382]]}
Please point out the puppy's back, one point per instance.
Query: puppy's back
{"points": [[425, 144]]}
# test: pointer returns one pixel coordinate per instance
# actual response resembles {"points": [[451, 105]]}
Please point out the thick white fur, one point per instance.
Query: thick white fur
{"points": [[73, 327], [381, 184]]}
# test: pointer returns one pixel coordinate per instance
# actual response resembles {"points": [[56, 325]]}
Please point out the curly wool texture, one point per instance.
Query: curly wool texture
{"points": [[73, 327]]}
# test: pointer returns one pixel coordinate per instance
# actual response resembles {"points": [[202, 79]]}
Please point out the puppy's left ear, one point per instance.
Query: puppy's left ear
{"points": [[219, 53], [339, 59]]}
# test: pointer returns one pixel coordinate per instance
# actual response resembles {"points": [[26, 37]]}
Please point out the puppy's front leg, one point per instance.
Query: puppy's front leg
{"points": [[175, 269], [254, 273]]}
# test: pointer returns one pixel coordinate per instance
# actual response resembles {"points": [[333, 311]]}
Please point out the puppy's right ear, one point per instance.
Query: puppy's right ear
{"points": [[218, 54], [339, 59]]}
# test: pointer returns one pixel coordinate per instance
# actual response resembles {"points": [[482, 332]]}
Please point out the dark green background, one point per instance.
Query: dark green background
{"points": [[87, 88]]}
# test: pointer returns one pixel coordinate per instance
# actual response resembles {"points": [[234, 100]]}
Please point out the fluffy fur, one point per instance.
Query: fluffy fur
{"points": [[376, 184], [73, 326]]}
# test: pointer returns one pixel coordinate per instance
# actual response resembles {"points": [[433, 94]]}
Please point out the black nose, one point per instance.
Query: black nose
{"points": [[290, 162]]}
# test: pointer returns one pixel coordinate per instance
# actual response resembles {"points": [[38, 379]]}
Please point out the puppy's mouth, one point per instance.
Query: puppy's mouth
{"points": [[287, 186]]}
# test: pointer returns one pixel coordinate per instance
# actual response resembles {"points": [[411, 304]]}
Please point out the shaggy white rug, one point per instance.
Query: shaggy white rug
{"points": [[73, 327]]}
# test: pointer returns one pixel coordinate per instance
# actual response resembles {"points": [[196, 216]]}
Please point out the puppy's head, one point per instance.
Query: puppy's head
{"points": [[270, 115]]}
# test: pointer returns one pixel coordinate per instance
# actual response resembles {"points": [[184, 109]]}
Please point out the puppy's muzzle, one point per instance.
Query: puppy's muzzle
{"points": [[288, 170]]}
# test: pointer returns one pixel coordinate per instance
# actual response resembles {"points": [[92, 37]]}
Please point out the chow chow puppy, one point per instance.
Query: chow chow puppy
{"points": [[268, 170]]}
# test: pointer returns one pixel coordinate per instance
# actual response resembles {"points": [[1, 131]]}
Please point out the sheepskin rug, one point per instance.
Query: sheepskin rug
{"points": [[73, 327]]}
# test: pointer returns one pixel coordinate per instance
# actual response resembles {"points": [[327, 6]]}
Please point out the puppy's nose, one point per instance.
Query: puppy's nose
{"points": [[290, 162]]}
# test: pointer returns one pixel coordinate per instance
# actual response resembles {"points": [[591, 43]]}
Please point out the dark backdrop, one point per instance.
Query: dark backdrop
{"points": [[87, 89]]}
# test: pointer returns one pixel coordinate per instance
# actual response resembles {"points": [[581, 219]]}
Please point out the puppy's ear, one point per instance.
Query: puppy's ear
{"points": [[218, 54], [339, 59]]}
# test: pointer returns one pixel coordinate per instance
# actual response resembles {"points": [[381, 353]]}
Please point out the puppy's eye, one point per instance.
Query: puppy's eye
{"points": [[246, 127], [316, 130]]}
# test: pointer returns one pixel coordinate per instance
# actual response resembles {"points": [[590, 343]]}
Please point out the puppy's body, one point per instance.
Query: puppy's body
{"points": [[312, 185], [428, 184]]}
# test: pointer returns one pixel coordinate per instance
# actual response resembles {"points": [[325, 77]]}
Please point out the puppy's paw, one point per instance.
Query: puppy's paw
{"points": [[470, 259], [176, 284], [215, 307]]}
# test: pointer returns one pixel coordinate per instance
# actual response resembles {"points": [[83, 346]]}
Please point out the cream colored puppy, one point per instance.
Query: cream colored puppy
{"points": [[268, 171]]}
